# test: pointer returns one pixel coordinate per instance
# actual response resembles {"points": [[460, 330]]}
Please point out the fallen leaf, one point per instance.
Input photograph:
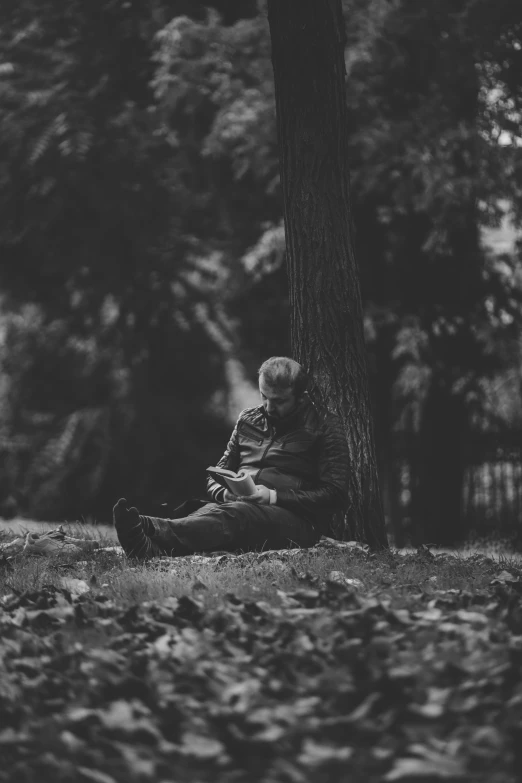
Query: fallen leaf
{"points": [[11, 737], [443, 768], [270, 734], [71, 741], [363, 710], [286, 600], [268, 554], [239, 695], [431, 615], [338, 577], [505, 577], [94, 775], [488, 738], [333, 542], [435, 705], [471, 617], [305, 597], [75, 586], [315, 754], [402, 616], [200, 747], [162, 646], [13, 548], [142, 768]]}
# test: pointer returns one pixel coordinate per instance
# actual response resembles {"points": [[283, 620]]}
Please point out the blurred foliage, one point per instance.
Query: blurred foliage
{"points": [[95, 237], [433, 93], [142, 242]]}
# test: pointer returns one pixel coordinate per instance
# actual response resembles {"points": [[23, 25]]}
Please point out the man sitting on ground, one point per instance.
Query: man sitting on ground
{"points": [[298, 461]]}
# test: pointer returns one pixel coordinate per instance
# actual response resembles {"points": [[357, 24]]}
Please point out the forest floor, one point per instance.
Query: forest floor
{"points": [[321, 665]]}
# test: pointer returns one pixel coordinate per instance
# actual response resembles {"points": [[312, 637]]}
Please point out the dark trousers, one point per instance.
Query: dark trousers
{"points": [[231, 527]]}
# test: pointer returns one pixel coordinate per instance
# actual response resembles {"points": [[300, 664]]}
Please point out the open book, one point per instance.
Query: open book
{"points": [[239, 483]]}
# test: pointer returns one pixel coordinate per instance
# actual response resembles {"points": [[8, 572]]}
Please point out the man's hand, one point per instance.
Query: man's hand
{"points": [[262, 496], [229, 497]]}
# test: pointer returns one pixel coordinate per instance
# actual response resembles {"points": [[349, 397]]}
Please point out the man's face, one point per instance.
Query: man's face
{"points": [[277, 402]]}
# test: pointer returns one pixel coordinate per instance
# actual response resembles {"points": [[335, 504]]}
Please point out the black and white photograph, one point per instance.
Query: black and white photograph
{"points": [[260, 391]]}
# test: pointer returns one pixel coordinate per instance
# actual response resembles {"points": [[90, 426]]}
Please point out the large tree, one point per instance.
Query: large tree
{"points": [[326, 310]]}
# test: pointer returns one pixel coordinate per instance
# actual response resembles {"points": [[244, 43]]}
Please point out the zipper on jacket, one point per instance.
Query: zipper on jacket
{"points": [[273, 438]]}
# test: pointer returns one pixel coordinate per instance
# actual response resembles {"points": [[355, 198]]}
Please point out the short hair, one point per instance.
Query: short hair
{"points": [[282, 372]]}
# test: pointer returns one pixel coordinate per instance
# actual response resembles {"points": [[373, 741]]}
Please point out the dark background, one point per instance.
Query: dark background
{"points": [[142, 274]]}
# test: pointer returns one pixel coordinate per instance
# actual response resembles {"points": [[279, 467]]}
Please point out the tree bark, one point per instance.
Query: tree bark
{"points": [[326, 310]]}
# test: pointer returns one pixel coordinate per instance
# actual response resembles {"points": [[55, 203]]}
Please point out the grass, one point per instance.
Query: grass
{"points": [[79, 528], [260, 668], [398, 576]]}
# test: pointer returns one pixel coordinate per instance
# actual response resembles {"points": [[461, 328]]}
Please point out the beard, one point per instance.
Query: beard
{"points": [[275, 418]]}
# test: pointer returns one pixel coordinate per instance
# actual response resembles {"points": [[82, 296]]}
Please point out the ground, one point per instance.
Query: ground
{"points": [[330, 664]]}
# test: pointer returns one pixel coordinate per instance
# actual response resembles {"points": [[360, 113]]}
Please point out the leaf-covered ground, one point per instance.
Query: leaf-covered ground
{"points": [[326, 665]]}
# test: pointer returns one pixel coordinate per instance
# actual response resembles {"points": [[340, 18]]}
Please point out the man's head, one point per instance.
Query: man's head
{"points": [[282, 383]]}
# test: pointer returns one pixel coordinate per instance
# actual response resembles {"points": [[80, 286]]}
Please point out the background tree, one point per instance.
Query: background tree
{"points": [[431, 92], [326, 310], [96, 234]]}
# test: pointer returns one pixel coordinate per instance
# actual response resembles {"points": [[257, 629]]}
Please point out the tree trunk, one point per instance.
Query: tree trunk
{"points": [[326, 309]]}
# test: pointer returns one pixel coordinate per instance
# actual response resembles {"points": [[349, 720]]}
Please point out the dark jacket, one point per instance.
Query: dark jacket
{"points": [[304, 457]]}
